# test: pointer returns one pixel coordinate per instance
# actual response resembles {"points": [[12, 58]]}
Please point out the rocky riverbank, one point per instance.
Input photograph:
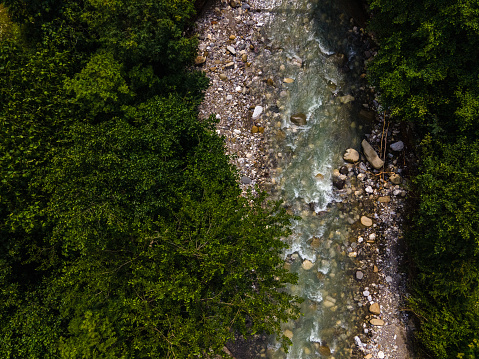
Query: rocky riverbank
{"points": [[372, 199]]}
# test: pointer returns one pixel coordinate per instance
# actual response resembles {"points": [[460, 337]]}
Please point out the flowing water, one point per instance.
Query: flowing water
{"points": [[311, 42]]}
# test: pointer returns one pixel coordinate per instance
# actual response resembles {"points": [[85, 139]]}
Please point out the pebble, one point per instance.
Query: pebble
{"points": [[231, 49], [366, 221], [380, 355], [359, 275]]}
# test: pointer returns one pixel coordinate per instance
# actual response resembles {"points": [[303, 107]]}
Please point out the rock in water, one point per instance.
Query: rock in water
{"points": [[299, 119], [346, 99], [307, 264], [371, 155], [351, 155], [258, 110], [397, 146], [288, 80], [324, 350]]}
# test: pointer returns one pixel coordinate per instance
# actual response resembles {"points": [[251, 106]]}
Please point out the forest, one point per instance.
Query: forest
{"points": [[427, 74], [124, 232]]}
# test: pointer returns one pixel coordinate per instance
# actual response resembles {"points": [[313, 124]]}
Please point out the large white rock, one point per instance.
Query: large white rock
{"points": [[258, 110], [231, 49]]}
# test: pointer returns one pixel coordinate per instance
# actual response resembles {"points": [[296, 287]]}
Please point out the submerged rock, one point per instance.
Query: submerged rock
{"points": [[299, 119]]}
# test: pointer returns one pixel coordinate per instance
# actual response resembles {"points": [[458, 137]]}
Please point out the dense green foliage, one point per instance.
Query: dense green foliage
{"points": [[427, 72], [124, 234]]}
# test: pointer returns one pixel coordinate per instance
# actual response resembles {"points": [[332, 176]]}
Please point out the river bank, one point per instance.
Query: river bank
{"points": [[230, 51]]}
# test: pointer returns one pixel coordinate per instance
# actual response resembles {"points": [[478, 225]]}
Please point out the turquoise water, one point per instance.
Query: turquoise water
{"points": [[311, 43]]}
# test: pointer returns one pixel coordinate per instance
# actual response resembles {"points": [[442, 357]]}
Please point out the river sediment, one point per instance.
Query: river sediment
{"points": [[350, 272]]}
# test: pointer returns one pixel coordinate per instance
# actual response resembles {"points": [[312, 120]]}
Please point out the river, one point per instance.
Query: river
{"points": [[313, 51]]}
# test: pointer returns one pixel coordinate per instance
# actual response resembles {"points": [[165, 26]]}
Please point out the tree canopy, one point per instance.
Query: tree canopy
{"points": [[426, 72], [124, 232]]}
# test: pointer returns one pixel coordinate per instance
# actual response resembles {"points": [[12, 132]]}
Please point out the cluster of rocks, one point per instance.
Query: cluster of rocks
{"points": [[373, 191], [230, 40], [371, 184]]}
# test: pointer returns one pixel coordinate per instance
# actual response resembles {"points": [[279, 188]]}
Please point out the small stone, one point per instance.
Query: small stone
{"points": [[258, 110], [307, 264], [366, 293], [384, 199], [374, 308], [319, 176], [359, 275], [288, 80], [270, 82], [352, 254], [389, 279], [229, 98], [200, 60], [288, 333], [231, 49], [395, 178], [380, 355], [372, 236], [397, 146], [244, 57], [375, 269], [377, 322], [369, 356], [232, 37], [351, 155], [366, 221], [254, 129], [369, 189], [299, 119], [245, 180], [261, 129], [223, 77]]}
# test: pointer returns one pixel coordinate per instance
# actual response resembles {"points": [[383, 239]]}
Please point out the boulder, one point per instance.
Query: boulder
{"points": [[374, 308], [288, 333], [371, 155], [299, 119], [351, 155]]}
